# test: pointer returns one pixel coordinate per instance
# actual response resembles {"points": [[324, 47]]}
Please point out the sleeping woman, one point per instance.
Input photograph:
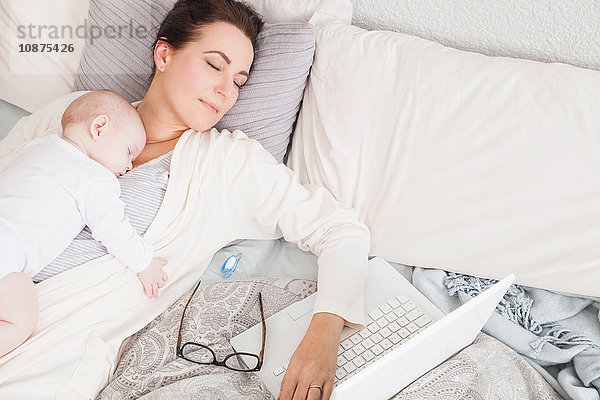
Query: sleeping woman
{"points": [[202, 55]]}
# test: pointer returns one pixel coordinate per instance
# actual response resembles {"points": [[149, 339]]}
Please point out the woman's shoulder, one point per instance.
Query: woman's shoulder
{"points": [[226, 149], [234, 140], [237, 143]]}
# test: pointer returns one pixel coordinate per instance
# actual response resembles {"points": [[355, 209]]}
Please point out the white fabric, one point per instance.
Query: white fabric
{"points": [[456, 160], [222, 186], [32, 79], [48, 192], [274, 11]]}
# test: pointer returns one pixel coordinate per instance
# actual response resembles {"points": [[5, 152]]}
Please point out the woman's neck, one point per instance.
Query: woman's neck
{"points": [[158, 120]]}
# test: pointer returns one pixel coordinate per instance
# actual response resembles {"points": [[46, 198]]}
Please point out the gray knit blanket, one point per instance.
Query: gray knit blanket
{"points": [[558, 334]]}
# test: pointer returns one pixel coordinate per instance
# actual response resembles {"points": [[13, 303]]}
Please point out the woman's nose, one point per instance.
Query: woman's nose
{"points": [[225, 88]]}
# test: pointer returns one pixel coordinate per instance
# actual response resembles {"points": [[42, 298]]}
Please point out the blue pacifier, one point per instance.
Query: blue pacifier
{"points": [[230, 265]]}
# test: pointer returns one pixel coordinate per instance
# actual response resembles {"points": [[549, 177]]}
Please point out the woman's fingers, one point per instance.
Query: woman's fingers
{"points": [[164, 276], [154, 290], [287, 388], [301, 390], [314, 393], [327, 390]]}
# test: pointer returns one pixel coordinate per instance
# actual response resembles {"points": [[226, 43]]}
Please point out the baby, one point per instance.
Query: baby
{"points": [[51, 187]]}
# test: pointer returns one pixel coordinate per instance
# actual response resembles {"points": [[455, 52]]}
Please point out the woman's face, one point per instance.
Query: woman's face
{"points": [[200, 81]]}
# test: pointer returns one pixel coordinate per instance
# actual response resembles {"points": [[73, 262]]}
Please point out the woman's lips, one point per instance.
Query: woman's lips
{"points": [[210, 106]]}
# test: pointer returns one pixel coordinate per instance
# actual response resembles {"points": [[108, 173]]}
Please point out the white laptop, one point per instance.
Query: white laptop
{"points": [[405, 336]]}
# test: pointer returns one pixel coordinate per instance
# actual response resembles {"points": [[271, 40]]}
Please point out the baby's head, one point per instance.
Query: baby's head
{"points": [[107, 127]]}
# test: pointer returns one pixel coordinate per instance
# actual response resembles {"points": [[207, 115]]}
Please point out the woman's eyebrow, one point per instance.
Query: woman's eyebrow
{"points": [[227, 60]]}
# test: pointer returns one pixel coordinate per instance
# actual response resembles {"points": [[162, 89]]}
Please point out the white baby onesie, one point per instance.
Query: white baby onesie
{"points": [[49, 191]]}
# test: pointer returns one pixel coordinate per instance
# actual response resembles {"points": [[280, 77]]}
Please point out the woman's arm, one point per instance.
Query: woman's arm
{"points": [[268, 201]]}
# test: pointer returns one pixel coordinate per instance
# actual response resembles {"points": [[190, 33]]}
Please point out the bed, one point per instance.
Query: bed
{"points": [[491, 166]]}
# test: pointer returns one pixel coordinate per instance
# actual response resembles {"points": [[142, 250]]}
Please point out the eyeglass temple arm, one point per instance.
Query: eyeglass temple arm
{"points": [[264, 327], [183, 313]]}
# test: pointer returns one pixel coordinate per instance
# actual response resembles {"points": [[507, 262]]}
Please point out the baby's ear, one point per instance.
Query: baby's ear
{"points": [[98, 126]]}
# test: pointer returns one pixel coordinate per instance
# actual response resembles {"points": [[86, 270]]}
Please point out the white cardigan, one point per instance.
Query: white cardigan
{"points": [[222, 186]]}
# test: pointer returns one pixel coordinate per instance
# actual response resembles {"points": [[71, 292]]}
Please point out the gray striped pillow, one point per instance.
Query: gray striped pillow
{"points": [[118, 56]]}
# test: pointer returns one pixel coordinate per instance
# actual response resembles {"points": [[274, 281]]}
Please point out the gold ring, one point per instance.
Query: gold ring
{"points": [[316, 387]]}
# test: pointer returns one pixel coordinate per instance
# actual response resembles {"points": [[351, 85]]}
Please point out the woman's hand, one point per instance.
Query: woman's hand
{"points": [[314, 361], [153, 277]]}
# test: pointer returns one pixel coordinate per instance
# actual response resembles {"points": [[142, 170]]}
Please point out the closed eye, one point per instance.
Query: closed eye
{"points": [[238, 85]]}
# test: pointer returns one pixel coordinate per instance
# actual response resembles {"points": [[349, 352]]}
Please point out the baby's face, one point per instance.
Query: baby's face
{"points": [[117, 148]]}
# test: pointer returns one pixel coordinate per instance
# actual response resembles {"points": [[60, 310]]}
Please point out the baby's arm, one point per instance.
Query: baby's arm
{"points": [[104, 213]]}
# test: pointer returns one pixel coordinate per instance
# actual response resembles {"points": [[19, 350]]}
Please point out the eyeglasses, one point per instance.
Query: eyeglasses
{"points": [[201, 354]]}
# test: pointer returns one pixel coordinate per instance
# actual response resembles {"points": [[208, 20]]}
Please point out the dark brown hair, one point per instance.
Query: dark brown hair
{"points": [[184, 23]]}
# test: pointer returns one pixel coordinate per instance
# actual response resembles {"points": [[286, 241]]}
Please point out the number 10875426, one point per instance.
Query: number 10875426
{"points": [[46, 48]]}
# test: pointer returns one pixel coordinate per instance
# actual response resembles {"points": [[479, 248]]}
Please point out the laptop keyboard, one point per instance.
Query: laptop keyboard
{"points": [[392, 324]]}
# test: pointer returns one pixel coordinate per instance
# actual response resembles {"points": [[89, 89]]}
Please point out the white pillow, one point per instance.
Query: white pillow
{"points": [[293, 10], [455, 160], [32, 79]]}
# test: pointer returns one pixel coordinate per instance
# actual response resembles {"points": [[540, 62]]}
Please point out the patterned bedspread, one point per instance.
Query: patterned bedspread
{"points": [[149, 369]]}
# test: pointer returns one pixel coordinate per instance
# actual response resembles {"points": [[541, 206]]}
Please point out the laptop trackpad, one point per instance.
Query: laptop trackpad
{"points": [[302, 308]]}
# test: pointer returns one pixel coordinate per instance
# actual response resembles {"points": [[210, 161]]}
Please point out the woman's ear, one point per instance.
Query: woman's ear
{"points": [[98, 126], [162, 52]]}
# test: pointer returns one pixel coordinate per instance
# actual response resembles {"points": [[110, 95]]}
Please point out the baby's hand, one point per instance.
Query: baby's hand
{"points": [[153, 277]]}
